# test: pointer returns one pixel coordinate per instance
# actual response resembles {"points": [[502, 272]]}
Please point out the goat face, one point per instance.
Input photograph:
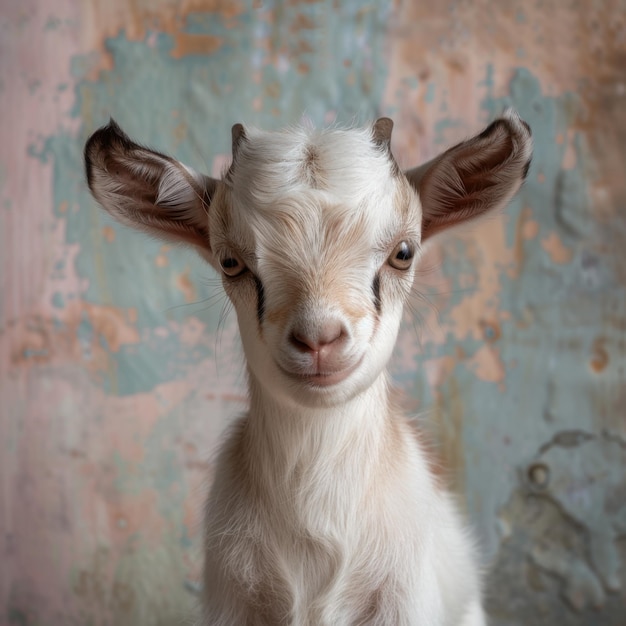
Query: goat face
{"points": [[316, 234]]}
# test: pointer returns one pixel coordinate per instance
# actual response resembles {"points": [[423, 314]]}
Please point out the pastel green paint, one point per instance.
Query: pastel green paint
{"points": [[33, 85], [429, 96], [29, 353], [52, 23], [85, 334], [58, 301], [488, 83], [441, 134]]}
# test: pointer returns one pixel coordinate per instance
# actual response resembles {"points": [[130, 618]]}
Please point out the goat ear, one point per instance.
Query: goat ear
{"points": [[475, 177], [148, 190]]}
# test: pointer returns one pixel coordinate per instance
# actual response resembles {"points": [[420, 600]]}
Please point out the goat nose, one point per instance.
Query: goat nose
{"points": [[313, 340]]}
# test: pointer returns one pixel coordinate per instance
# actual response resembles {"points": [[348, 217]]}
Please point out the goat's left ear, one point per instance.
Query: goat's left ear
{"points": [[475, 177]]}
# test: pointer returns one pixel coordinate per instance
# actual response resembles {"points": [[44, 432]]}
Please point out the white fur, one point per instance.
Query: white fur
{"points": [[324, 509]]}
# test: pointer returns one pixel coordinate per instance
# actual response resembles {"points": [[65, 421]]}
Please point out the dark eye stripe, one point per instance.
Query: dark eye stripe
{"points": [[260, 300], [376, 292]]}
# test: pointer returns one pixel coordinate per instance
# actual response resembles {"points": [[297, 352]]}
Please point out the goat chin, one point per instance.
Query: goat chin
{"points": [[325, 509]]}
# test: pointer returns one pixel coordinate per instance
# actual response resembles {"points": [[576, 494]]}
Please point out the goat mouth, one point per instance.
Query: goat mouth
{"points": [[322, 379]]}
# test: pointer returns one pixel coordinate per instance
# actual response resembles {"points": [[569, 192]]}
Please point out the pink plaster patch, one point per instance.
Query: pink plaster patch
{"points": [[487, 365], [559, 253]]}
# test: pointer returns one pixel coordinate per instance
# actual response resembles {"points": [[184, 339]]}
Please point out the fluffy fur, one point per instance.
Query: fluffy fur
{"points": [[324, 509]]}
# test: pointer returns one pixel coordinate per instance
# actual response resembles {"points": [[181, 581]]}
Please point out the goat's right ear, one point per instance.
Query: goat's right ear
{"points": [[148, 190]]}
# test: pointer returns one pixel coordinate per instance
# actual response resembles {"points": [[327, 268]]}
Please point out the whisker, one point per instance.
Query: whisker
{"points": [[210, 300]]}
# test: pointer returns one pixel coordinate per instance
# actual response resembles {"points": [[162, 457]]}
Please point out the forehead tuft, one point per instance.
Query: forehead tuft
{"points": [[345, 165]]}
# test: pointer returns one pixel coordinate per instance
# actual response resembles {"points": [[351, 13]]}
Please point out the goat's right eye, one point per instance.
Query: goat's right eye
{"points": [[232, 265], [402, 256]]}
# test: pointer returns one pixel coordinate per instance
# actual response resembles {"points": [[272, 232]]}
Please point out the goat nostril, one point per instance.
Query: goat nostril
{"points": [[324, 336], [301, 342]]}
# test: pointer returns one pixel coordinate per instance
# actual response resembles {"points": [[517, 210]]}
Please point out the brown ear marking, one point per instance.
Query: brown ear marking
{"points": [[106, 141], [100, 142], [109, 135], [111, 140], [505, 124]]}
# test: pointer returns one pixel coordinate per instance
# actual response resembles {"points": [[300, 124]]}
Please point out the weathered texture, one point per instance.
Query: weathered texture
{"points": [[119, 363]]}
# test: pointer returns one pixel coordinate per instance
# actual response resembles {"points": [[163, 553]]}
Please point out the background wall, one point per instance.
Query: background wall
{"points": [[119, 359]]}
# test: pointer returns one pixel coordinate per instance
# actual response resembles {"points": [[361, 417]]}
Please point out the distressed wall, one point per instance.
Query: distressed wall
{"points": [[119, 359]]}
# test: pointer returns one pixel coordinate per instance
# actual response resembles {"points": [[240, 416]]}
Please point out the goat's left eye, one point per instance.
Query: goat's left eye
{"points": [[232, 265], [402, 256]]}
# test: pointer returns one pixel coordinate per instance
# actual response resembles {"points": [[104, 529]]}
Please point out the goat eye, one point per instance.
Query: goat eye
{"points": [[232, 265], [402, 256]]}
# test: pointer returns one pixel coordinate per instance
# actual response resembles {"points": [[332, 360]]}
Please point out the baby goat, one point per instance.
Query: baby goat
{"points": [[324, 509]]}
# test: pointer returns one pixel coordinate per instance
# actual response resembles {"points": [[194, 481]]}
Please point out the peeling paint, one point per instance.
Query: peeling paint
{"points": [[120, 364], [570, 510]]}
